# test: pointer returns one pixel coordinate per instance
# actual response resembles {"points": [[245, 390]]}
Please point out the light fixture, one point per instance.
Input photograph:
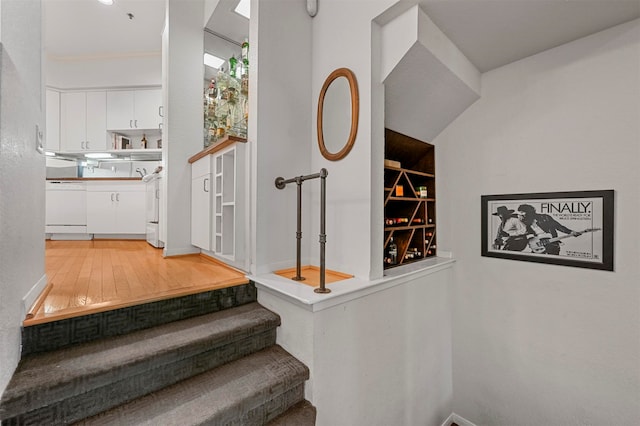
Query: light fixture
{"points": [[98, 155], [213, 61], [312, 7], [243, 8], [50, 154], [107, 2]]}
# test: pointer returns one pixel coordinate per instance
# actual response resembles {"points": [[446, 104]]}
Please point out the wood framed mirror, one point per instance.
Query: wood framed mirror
{"points": [[338, 109]]}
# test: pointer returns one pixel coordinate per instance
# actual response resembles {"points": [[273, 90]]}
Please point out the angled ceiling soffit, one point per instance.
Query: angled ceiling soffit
{"points": [[428, 80]]}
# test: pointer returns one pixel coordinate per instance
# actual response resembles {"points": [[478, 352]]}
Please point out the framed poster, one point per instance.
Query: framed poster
{"points": [[562, 228]]}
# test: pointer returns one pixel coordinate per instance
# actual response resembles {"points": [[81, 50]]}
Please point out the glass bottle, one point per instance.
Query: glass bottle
{"points": [[213, 90], [244, 78], [245, 52], [233, 63], [393, 252]]}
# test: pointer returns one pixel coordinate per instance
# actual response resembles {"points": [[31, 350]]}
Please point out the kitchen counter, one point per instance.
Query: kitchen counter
{"points": [[96, 178]]}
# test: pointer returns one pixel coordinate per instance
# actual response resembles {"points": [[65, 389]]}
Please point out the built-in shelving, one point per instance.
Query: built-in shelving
{"points": [[409, 199], [217, 207]]}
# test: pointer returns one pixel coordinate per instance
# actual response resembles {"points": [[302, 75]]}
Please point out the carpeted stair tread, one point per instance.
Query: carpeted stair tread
{"points": [[301, 414], [249, 391], [46, 378], [62, 333]]}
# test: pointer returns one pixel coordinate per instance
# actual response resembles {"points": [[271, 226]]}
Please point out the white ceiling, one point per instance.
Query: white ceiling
{"points": [[89, 28], [227, 23], [491, 33]]}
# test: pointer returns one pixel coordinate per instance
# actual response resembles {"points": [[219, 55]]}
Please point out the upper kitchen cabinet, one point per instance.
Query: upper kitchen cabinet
{"points": [[52, 138], [83, 124], [134, 109]]}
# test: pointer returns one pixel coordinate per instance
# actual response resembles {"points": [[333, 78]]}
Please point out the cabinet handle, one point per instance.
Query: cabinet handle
{"points": [[136, 123], [131, 123], [204, 184], [82, 145], [160, 111], [87, 144], [112, 194], [118, 197]]}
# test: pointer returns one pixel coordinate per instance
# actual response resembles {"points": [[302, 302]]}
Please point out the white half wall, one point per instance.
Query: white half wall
{"points": [[537, 344], [382, 359], [22, 172]]}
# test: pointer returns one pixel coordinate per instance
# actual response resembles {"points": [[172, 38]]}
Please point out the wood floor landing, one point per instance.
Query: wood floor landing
{"points": [[85, 277]]}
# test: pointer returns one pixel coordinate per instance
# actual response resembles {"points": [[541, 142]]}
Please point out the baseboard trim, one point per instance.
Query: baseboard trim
{"points": [[459, 420], [180, 251], [32, 295]]}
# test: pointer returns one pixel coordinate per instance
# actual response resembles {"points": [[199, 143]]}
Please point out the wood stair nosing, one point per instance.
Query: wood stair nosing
{"points": [[249, 391], [99, 371]]}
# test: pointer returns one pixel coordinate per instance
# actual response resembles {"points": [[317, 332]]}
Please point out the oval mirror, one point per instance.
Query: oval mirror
{"points": [[338, 109]]}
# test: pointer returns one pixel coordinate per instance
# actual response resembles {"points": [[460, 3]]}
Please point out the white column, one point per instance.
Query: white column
{"points": [[182, 81]]}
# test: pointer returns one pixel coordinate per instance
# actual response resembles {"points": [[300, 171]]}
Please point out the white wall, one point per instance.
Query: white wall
{"points": [[279, 138], [22, 172], [537, 344], [342, 37], [104, 71], [385, 358]]}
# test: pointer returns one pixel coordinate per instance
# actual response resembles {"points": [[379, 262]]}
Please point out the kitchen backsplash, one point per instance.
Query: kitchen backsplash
{"points": [[57, 168]]}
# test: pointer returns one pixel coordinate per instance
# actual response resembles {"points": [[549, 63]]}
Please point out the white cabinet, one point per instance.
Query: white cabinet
{"points": [[116, 208], [52, 105], [83, 121], [217, 204], [134, 109], [201, 189]]}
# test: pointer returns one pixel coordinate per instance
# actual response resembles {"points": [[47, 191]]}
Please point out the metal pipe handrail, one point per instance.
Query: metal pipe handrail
{"points": [[281, 183]]}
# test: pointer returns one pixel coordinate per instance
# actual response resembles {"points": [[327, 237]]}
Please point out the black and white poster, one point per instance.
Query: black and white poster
{"points": [[564, 228]]}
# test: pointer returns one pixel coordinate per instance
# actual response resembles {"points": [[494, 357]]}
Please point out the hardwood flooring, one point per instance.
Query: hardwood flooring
{"points": [[85, 277]]}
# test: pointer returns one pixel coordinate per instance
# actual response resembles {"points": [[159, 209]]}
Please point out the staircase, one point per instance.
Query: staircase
{"points": [[219, 368]]}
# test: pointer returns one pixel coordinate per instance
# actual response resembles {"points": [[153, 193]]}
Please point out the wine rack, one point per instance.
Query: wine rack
{"points": [[409, 199]]}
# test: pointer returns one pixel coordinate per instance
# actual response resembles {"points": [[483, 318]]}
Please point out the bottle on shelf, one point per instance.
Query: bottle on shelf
{"points": [[233, 63], [244, 56], [225, 102], [212, 92], [143, 142], [393, 252]]}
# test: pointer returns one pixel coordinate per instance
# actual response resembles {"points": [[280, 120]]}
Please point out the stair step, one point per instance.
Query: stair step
{"points": [[70, 384], [249, 391], [71, 331], [301, 414]]}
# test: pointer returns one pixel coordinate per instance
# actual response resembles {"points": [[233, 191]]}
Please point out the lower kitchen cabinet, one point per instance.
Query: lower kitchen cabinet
{"points": [[217, 202], [116, 209], [201, 204]]}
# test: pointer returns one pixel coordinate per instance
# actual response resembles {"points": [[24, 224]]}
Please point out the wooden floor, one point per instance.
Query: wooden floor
{"points": [[94, 276]]}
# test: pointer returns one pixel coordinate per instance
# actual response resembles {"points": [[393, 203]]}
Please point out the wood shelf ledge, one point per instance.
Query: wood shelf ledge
{"points": [[221, 144], [311, 273]]}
